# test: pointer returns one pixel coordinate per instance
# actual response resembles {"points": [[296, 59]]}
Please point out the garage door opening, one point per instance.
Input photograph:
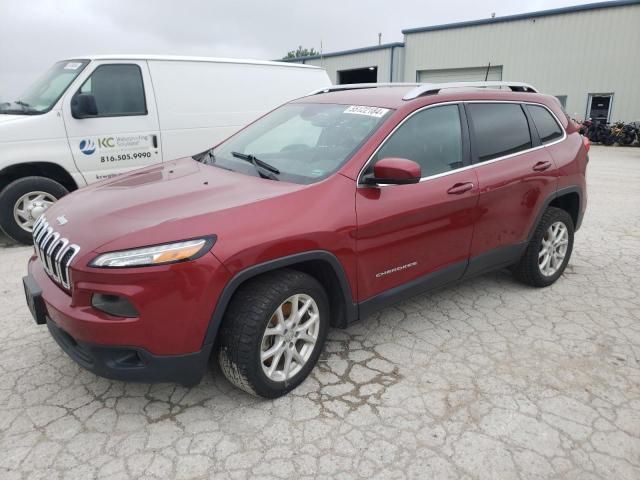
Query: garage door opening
{"points": [[600, 107], [358, 75]]}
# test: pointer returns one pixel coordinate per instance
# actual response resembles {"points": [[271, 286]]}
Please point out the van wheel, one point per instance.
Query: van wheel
{"points": [[23, 201], [273, 332], [549, 250]]}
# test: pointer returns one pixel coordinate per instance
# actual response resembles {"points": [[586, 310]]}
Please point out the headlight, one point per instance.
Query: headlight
{"points": [[155, 255]]}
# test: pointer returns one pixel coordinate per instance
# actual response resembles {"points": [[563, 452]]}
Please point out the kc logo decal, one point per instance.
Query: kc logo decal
{"points": [[87, 147], [108, 142]]}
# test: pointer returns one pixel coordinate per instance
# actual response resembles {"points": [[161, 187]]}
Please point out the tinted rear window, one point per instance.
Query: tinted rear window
{"points": [[548, 128], [499, 129]]}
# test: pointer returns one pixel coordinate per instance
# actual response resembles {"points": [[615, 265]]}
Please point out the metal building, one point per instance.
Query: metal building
{"points": [[586, 55], [379, 63]]}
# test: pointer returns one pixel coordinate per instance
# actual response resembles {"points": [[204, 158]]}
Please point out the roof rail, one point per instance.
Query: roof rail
{"points": [[358, 86], [433, 88]]}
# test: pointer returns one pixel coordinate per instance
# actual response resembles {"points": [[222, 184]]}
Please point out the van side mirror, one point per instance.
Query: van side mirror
{"points": [[394, 171], [83, 105]]}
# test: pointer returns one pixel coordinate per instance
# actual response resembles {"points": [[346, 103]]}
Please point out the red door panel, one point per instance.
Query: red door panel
{"points": [[408, 231], [512, 192]]}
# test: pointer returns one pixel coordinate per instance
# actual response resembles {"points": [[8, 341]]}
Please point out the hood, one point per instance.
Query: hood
{"points": [[162, 203], [5, 118], [22, 128]]}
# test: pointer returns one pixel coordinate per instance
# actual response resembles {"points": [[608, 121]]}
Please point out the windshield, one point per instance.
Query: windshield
{"points": [[302, 142], [45, 92]]}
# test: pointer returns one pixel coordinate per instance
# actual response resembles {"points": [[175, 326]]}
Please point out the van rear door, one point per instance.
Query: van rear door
{"points": [[116, 129]]}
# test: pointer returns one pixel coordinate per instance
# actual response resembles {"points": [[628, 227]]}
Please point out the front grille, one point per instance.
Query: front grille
{"points": [[55, 252]]}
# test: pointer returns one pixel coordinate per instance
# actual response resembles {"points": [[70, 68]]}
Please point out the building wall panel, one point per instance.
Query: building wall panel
{"points": [[573, 54], [377, 58]]}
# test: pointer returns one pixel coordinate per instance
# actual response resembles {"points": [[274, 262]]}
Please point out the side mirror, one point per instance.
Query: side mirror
{"points": [[83, 106], [394, 171]]}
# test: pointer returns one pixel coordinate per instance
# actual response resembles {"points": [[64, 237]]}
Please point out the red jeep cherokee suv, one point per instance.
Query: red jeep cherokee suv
{"points": [[322, 211]]}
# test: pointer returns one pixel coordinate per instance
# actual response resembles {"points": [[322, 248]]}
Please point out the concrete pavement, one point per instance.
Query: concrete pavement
{"points": [[489, 379]]}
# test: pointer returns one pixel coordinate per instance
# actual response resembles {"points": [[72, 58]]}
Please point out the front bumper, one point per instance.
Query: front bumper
{"points": [[130, 363], [165, 343]]}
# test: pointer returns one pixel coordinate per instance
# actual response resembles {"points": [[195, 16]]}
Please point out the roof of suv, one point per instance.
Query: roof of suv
{"points": [[393, 96], [388, 97]]}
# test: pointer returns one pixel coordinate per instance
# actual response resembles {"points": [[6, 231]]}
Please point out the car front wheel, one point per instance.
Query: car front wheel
{"points": [[273, 332], [23, 201]]}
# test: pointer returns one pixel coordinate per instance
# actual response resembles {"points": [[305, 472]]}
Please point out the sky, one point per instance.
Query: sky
{"points": [[36, 33]]}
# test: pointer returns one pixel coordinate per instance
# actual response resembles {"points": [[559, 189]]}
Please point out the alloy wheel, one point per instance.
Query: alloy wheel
{"points": [[290, 337], [553, 249]]}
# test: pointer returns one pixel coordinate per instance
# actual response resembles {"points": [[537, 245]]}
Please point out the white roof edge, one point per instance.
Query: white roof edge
{"points": [[180, 58]]}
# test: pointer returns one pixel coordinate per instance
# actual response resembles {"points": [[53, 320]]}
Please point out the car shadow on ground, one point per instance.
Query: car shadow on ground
{"points": [[6, 242]]}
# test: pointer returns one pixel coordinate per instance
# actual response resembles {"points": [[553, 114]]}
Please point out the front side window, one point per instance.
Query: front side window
{"points": [[499, 129], [47, 90], [303, 142], [548, 128], [117, 89], [432, 138]]}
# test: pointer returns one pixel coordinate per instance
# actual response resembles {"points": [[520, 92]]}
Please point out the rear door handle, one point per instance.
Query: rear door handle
{"points": [[542, 166], [459, 188]]}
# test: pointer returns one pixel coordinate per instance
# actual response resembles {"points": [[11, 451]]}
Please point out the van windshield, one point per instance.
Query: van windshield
{"points": [[44, 93], [298, 142]]}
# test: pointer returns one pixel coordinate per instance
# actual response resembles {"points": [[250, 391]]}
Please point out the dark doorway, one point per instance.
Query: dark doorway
{"points": [[358, 75], [599, 107]]}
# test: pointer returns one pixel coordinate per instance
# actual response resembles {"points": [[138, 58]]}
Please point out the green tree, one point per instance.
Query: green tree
{"points": [[301, 52]]}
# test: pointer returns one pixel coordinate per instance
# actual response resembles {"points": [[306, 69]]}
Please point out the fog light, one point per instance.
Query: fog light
{"points": [[113, 305]]}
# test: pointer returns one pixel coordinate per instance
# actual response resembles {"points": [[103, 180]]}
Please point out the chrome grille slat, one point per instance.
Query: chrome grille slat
{"points": [[67, 280], [49, 248], [42, 228], [58, 255], [45, 239], [40, 241], [37, 227], [55, 252]]}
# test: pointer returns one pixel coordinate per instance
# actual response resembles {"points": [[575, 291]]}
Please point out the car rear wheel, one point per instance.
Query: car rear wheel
{"points": [[23, 201], [549, 250], [273, 332]]}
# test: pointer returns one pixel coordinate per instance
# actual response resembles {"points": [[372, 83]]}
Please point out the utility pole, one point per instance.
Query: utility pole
{"points": [[380, 38]]}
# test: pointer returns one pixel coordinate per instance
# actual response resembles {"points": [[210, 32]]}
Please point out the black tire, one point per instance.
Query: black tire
{"points": [[527, 270], [13, 192], [246, 319]]}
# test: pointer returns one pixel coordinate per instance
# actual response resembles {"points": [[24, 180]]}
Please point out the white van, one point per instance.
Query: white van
{"points": [[95, 117]]}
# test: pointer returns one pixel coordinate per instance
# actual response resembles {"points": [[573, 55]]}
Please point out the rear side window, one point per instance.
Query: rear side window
{"points": [[499, 129], [117, 89], [548, 128], [432, 138]]}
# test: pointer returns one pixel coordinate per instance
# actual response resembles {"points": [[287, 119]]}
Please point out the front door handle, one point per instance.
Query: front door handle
{"points": [[542, 166], [459, 188]]}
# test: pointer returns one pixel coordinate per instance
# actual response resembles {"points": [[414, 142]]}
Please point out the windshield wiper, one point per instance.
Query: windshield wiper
{"points": [[210, 157], [259, 164], [25, 108], [5, 109]]}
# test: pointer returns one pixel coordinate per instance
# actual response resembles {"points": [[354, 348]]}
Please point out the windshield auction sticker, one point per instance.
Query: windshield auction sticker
{"points": [[368, 111]]}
